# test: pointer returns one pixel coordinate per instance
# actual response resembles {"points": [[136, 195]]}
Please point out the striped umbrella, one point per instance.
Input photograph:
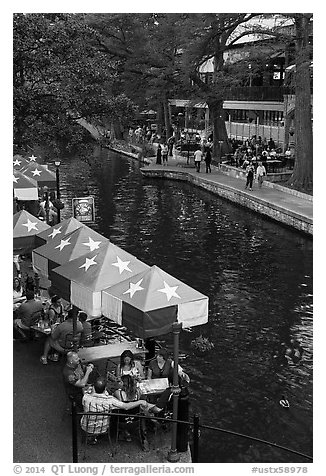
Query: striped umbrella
{"points": [[25, 228], [81, 281], [24, 188]]}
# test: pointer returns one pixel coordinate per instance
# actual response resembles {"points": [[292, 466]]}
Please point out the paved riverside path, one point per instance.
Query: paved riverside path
{"points": [[277, 203]]}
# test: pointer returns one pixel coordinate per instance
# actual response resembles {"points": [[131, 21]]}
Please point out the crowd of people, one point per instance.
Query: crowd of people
{"points": [[92, 391], [96, 393], [255, 150]]}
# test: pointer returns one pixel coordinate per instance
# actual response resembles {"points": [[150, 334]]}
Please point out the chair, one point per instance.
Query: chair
{"points": [[127, 422], [68, 346], [93, 426], [71, 341]]}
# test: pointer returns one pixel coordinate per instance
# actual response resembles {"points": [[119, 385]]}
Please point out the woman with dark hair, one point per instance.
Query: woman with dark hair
{"points": [[128, 366], [162, 366], [128, 392], [18, 292], [55, 312]]}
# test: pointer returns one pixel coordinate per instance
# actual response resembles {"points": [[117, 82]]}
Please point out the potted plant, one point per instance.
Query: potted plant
{"points": [[201, 345]]}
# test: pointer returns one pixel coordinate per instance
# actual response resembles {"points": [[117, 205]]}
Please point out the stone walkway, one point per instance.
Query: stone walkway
{"points": [[277, 203]]}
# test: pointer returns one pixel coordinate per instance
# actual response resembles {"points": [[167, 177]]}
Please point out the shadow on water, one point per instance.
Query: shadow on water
{"points": [[258, 276]]}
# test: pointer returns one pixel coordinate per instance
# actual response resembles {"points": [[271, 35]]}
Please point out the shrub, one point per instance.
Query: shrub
{"points": [[201, 344]]}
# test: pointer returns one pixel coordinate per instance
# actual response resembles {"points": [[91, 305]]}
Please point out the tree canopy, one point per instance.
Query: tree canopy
{"points": [[104, 68]]}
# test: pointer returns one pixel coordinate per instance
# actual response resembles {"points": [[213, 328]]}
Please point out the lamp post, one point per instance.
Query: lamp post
{"points": [[173, 455], [46, 205], [57, 164]]}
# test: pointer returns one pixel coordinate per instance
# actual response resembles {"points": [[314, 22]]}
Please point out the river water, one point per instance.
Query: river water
{"points": [[258, 276]]}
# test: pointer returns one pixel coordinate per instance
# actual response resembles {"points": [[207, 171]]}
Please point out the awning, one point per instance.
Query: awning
{"points": [[81, 281], [61, 229], [41, 174], [62, 249], [24, 188], [150, 302], [24, 230]]}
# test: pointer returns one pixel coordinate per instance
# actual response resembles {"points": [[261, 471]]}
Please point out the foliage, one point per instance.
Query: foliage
{"points": [[58, 75], [105, 68], [201, 344]]}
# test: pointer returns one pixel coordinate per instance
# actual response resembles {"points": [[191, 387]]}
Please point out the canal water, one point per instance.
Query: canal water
{"points": [[258, 276]]}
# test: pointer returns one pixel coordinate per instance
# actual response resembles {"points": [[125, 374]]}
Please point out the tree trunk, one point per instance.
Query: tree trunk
{"points": [[160, 118], [220, 137], [117, 130], [167, 122], [302, 177]]}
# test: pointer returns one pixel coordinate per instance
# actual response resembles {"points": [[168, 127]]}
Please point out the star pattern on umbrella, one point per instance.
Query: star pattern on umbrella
{"points": [[134, 287], [170, 291], [15, 179], [64, 243], [122, 265], [17, 162], [89, 262], [30, 225], [93, 245], [36, 172], [32, 158], [56, 231]]}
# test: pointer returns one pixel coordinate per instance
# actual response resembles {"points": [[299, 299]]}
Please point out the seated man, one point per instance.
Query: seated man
{"points": [[75, 378], [86, 337], [28, 314], [100, 401], [61, 337]]}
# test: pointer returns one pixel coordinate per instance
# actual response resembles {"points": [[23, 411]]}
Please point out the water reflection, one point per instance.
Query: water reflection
{"points": [[258, 276]]}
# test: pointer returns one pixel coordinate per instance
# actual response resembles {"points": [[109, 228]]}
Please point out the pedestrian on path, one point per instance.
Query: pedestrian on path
{"points": [[170, 144], [208, 160], [165, 153], [198, 158], [260, 174], [250, 171], [159, 155]]}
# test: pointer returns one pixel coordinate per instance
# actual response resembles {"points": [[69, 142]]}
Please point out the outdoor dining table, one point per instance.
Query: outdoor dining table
{"points": [[272, 164], [108, 351], [153, 386]]}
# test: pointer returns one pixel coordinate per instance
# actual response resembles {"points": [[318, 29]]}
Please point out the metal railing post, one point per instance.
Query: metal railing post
{"points": [[74, 432], [196, 438]]}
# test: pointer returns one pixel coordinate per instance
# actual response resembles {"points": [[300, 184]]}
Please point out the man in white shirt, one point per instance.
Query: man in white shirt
{"points": [[260, 173], [198, 158], [99, 400]]}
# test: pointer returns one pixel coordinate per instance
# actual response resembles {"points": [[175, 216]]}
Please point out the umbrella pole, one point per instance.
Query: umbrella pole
{"points": [[74, 328], [173, 456]]}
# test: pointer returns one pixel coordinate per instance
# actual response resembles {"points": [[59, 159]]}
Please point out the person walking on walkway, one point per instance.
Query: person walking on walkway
{"points": [[208, 160], [159, 155], [198, 158], [260, 174], [170, 145], [250, 171], [165, 154]]}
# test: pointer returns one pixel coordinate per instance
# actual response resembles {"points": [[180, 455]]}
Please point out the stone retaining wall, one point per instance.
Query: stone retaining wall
{"points": [[270, 182], [254, 203]]}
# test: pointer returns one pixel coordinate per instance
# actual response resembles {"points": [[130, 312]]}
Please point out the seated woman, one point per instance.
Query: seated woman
{"points": [[18, 292], [162, 366], [129, 392], [55, 311], [128, 366]]}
